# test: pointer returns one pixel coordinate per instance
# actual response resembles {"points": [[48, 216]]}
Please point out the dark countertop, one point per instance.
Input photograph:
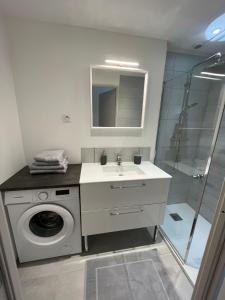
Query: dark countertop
{"points": [[23, 180]]}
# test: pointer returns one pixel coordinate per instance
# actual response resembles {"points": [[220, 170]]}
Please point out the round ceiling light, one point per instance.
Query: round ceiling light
{"points": [[216, 29]]}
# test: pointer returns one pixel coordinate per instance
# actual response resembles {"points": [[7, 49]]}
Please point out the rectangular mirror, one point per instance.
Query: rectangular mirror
{"points": [[118, 97]]}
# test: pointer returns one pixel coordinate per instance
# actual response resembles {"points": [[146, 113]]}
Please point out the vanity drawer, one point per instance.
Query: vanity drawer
{"points": [[109, 220], [123, 193]]}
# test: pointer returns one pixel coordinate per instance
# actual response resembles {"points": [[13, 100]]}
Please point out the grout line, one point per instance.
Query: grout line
{"points": [[94, 155]]}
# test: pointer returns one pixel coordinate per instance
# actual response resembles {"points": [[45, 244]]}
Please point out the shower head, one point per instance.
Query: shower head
{"points": [[217, 67], [217, 56]]}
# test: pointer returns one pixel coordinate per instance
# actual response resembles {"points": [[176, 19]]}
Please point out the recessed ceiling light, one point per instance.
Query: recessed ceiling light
{"points": [[121, 63], [205, 77], [213, 74], [216, 31]]}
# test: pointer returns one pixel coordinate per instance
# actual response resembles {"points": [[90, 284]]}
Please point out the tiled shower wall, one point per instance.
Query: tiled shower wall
{"points": [[90, 155]]}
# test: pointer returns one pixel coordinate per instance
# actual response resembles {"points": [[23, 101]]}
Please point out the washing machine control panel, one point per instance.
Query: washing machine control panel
{"points": [[55, 194]]}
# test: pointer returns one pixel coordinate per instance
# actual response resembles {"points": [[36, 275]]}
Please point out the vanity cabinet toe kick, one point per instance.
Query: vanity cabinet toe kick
{"points": [[116, 206]]}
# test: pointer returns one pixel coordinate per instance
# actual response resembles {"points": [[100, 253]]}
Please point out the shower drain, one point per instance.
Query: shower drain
{"points": [[176, 217]]}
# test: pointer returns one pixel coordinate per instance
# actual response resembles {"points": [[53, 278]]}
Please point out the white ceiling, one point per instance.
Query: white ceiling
{"points": [[181, 22]]}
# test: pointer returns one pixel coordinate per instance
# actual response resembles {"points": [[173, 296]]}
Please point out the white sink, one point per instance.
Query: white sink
{"points": [[94, 172], [126, 170]]}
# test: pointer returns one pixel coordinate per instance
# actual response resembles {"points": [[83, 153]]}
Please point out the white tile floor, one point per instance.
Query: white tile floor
{"points": [[59, 279], [178, 233], [64, 278]]}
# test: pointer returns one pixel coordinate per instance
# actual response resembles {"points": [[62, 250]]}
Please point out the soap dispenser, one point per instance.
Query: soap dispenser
{"points": [[137, 159], [103, 158]]}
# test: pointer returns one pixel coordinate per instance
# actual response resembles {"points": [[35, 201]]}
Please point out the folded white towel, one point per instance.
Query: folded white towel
{"points": [[49, 171], [44, 163], [56, 156], [56, 166]]}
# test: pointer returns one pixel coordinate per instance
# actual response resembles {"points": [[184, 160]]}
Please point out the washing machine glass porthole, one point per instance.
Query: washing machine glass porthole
{"points": [[46, 223]]}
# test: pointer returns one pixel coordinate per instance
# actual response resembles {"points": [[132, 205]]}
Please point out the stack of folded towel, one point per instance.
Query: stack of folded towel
{"points": [[49, 161]]}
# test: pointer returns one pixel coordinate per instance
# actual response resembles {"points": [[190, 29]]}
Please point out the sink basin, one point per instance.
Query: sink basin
{"points": [[127, 170]]}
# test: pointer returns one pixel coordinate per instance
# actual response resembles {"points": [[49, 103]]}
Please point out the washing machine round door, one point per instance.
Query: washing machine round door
{"points": [[46, 224]]}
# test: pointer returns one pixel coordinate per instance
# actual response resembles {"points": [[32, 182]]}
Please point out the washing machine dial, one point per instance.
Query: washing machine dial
{"points": [[43, 196]]}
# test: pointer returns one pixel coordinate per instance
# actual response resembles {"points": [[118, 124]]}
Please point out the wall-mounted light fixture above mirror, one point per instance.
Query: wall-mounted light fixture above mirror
{"points": [[118, 96]]}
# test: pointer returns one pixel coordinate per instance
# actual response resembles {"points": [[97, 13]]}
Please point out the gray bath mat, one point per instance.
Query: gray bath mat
{"points": [[134, 276]]}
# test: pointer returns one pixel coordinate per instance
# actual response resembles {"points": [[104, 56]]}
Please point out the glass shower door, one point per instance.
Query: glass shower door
{"points": [[184, 149], [214, 177], [172, 154]]}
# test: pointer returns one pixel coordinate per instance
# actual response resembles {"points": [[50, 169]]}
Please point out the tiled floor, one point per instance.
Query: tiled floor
{"points": [[64, 278]]}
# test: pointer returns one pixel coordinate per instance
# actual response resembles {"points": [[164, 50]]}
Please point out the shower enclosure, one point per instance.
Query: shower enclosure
{"points": [[191, 148]]}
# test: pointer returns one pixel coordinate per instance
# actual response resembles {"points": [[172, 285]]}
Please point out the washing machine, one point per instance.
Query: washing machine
{"points": [[45, 223]]}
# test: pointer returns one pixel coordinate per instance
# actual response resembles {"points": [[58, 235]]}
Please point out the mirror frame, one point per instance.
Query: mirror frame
{"points": [[137, 70]]}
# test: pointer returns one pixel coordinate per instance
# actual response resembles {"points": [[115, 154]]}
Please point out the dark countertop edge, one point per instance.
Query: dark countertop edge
{"points": [[7, 185]]}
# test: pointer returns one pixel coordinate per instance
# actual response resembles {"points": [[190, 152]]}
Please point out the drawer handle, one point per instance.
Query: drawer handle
{"points": [[126, 213], [120, 187]]}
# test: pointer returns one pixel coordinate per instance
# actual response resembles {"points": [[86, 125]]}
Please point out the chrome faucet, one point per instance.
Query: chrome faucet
{"points": [[118, 159]]}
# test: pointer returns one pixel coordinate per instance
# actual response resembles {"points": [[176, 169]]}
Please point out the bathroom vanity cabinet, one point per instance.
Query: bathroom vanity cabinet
{"points": [[121, 201]]}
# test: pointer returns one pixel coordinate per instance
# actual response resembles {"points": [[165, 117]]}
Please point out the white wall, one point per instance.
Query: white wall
{"points": [[105, 77], [11, 148], [51, 69], [11, 152]]}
